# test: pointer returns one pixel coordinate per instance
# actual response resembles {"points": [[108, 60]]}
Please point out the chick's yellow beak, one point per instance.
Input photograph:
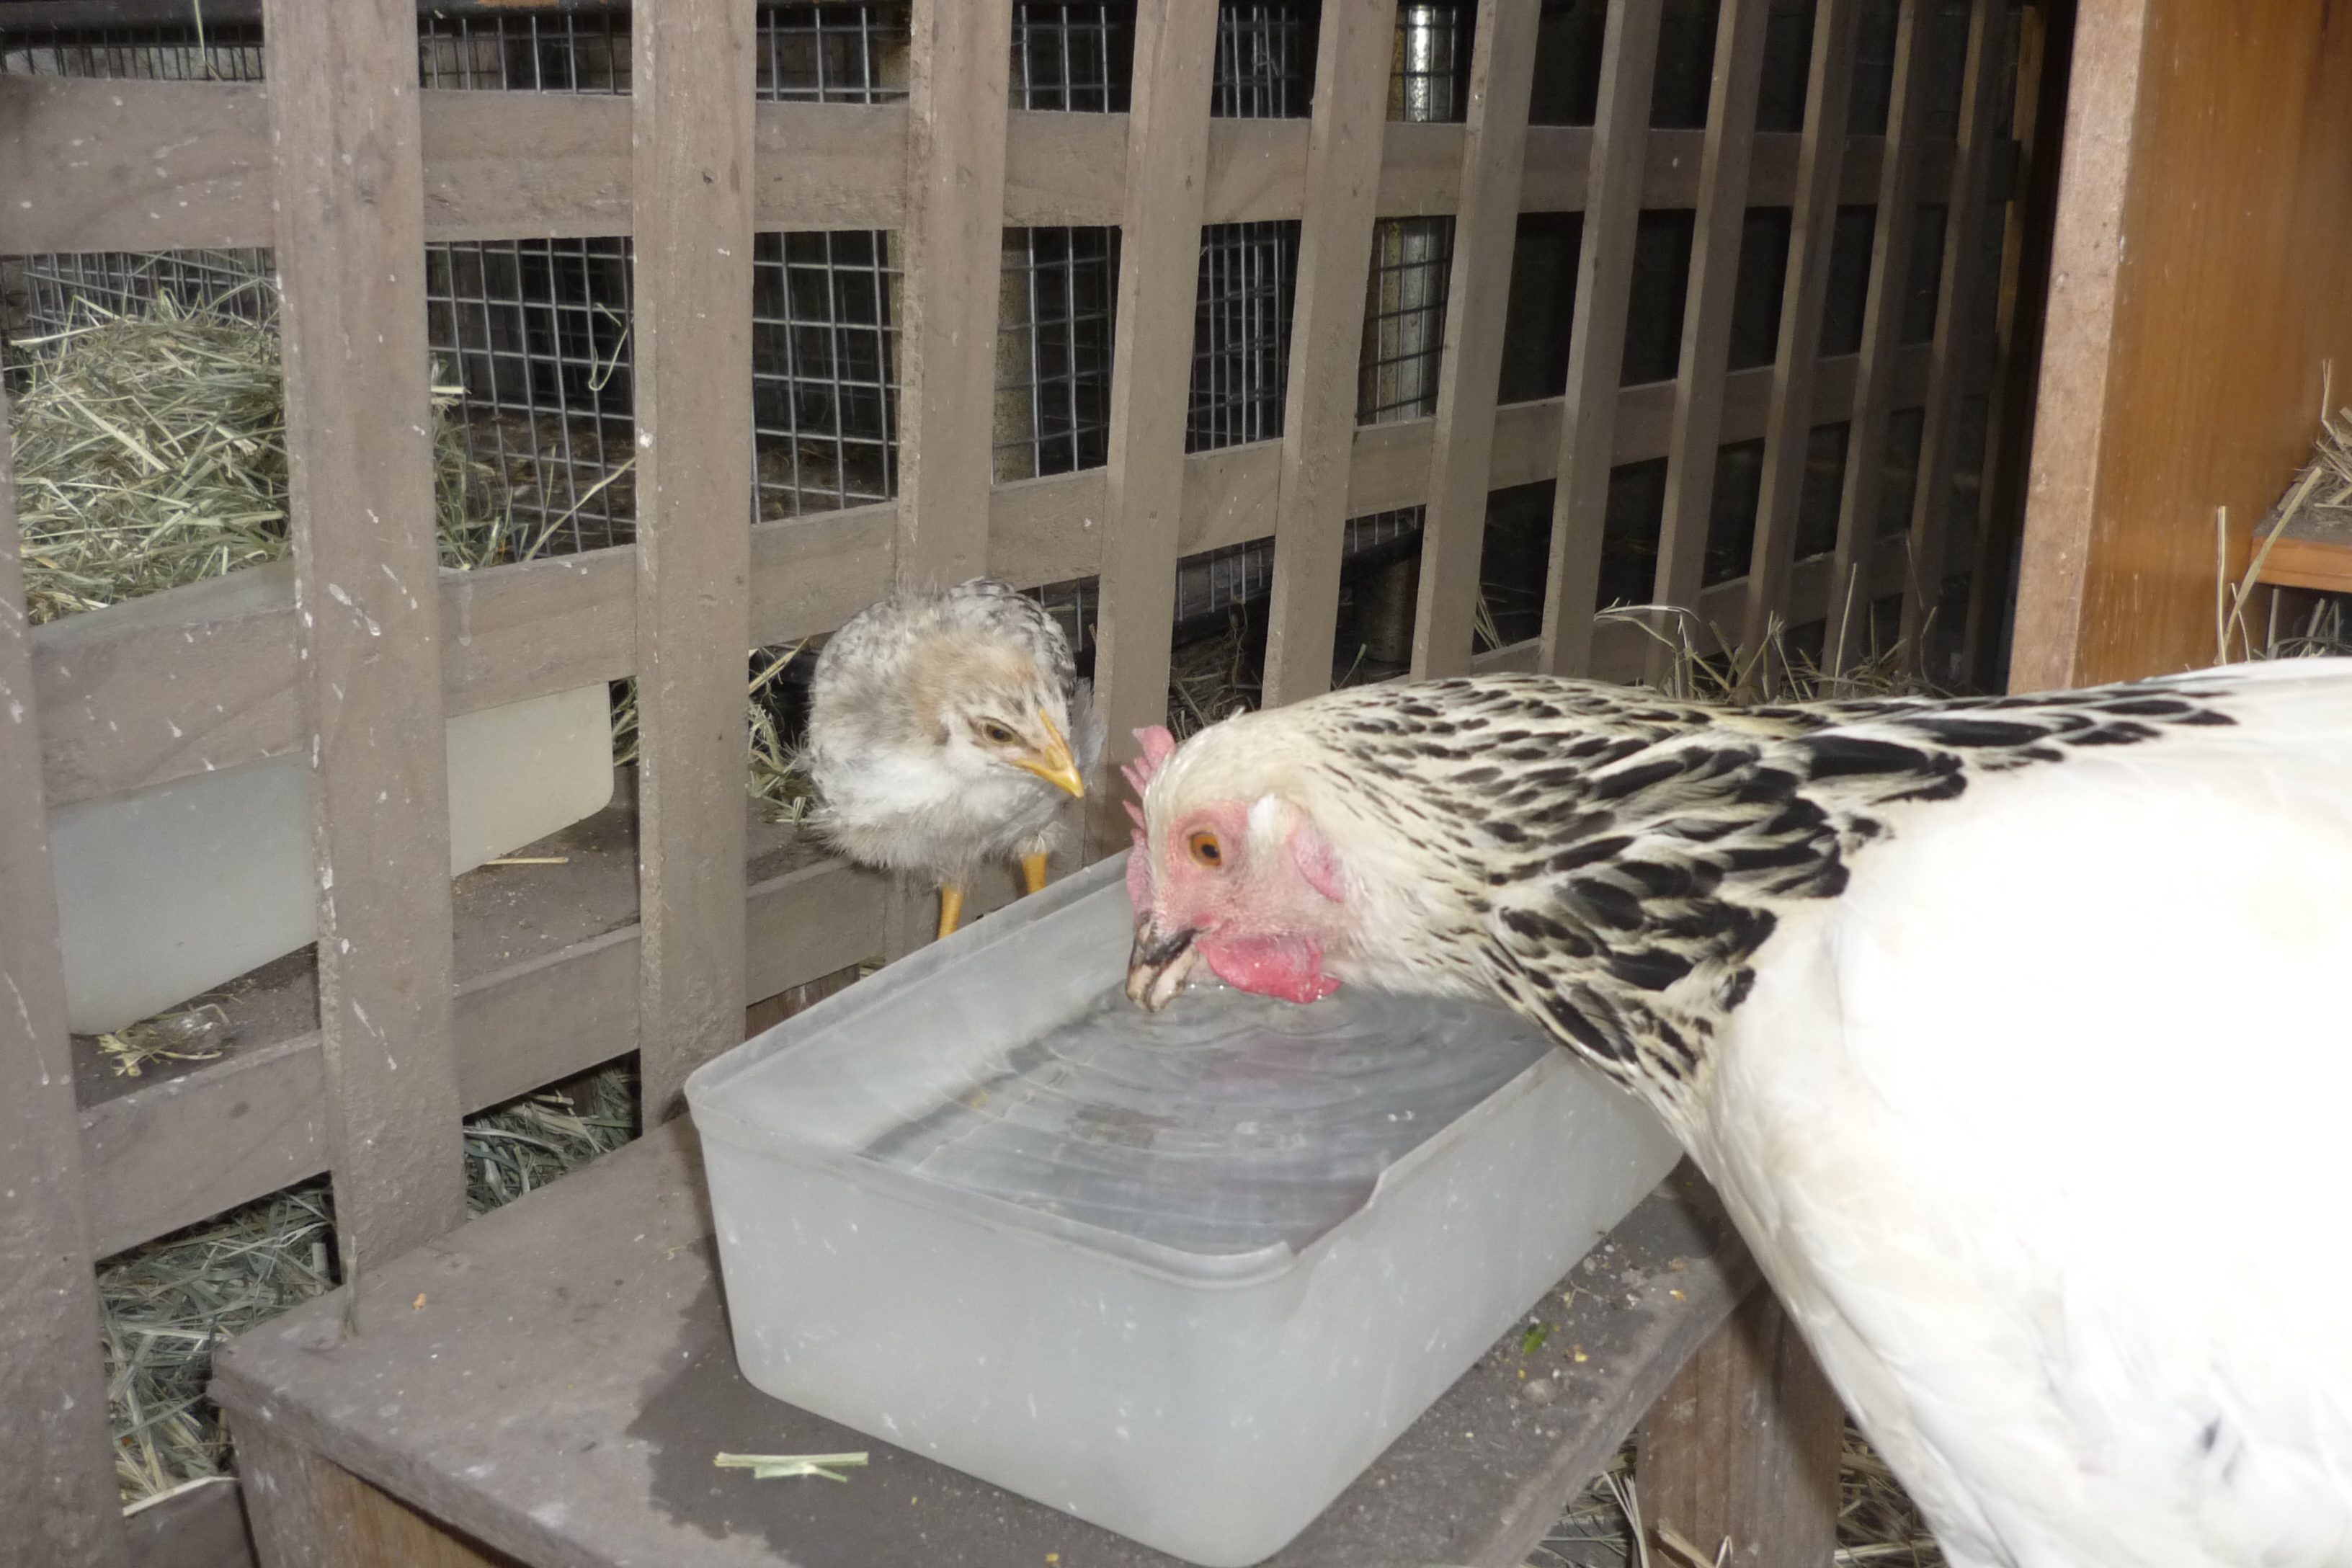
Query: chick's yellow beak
{"points": [[1054, 764]]}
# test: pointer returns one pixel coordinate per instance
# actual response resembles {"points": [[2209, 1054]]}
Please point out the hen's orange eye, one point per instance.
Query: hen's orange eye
{"points": [[1206, 850]]}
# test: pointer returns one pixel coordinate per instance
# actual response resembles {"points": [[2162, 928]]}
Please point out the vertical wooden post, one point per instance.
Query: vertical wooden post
{"points": [[1493, 152], [1344, 141], [691, 178], [957, 92], [1850, 589], [1813, 225], [59, 1497], [351, 253], [1698, 424], [1159, 272], [1596, 354], [1949, 357], [1743, 1446]]}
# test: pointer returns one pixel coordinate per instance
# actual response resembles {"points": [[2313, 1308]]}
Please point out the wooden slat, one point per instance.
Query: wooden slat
{"points": [[691, 96], [1143, 484], [2044, 51], [349, 191], [309, 1513], [1813, 224], [1722, 223], [1881, 335], [1963, 267], [153, 165], [1343, 153], [1604, 272], [60, 1498], [1454, 529], [189, 1147], [947, 344]]}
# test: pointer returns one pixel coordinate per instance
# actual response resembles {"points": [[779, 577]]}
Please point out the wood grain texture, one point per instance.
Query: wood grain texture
{"points": [[1845, 645], [309, 1513], [1167, 157], [2201, 275], [614, 1465], [1790, 416], [200, 1526], [1721, 224], [1952, 348], [1461, 451], [348, 187], [60, 1503], [133, 165], [1604, 272], [1743, 1447], [1345, 137], [692, 102], [953, 241]]}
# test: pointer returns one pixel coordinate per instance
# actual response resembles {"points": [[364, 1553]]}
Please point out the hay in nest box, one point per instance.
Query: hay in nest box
{"points": [[151, 452], [165, 1306]]}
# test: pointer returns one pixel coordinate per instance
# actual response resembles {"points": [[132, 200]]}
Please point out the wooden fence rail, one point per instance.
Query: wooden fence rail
{"points": [[357, 649]]}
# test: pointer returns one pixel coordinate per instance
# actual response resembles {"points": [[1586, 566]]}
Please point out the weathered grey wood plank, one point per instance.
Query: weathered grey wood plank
{"points": [[830, 165], [1143, 484], [1604, 272], [1882, 332], [507, 166], [693, 177], [1493, 145], [1812, 222], [198, 1526], [60, 1501], [954, 237], [132, 166], [348, 193], [1951, 349], [1743, 1447], [1345, 135], [308, 1513], [1722, 202]]}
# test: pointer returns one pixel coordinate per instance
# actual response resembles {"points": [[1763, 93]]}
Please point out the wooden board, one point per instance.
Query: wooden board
{"points": [[506, 1431], [1812, 222], [60, 1501], [349, 194], [1461, 450], [1150, 386], [1345, 136], [1721, 223], [2201, 275], [1604, 272], [692, 102]]}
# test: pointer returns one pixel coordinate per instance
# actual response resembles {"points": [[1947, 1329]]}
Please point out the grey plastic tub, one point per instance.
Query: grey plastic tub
{"points": [[1184, 1277]]}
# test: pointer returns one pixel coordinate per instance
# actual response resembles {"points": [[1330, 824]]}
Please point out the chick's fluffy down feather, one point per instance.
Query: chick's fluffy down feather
{"points": [[900, 706]]}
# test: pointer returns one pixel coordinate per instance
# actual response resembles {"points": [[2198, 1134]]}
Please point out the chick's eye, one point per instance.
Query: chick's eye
{"points": [[997, 734], [1206, 850]]}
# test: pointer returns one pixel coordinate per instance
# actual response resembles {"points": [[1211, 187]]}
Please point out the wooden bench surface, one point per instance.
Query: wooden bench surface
{"points": [[553, 1379]]}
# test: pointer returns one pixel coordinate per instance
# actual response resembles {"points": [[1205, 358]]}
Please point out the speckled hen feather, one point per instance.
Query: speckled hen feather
{"points": [[2012, 1031]]}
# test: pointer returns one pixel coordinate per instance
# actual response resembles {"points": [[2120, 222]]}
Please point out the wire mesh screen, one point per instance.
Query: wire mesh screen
{"points": [[1404, 319], [230, 52], [1264, 68], [824, 405], [1056, 298], [1076, 58], [536, 331], [832, 53], [1429, 80], [562, 51], [1241, 334]]}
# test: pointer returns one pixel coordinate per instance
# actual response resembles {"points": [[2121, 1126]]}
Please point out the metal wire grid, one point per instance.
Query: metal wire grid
{"points": [[536, 331], [832, 53], [1404, 319], [227, 52], [562, 51], [1430, 79], [1056, 298], [1077, 57], [1264, 68], [60, 285], [824, 404], [1241, 334]]}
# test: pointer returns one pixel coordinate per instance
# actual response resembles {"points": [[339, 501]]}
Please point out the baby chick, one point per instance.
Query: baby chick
{"points": [[944, 729]]}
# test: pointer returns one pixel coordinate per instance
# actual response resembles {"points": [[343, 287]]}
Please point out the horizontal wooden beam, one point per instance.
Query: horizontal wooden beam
{"points": [[167, 166], [204, 676]]}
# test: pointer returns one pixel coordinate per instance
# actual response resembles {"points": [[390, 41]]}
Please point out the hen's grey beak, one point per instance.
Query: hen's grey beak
{"points": [[1157, 965]]}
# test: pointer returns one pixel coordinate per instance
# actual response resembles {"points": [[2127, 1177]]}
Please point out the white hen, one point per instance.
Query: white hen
{"points": [[2013, 1032]]}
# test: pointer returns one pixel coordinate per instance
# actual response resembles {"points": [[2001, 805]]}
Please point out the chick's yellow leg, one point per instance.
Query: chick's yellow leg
{"points": [[1032, 866], [950, 909]]}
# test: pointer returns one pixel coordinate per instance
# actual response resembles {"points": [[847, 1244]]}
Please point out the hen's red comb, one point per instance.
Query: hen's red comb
{"points": [[1156, 744]]}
